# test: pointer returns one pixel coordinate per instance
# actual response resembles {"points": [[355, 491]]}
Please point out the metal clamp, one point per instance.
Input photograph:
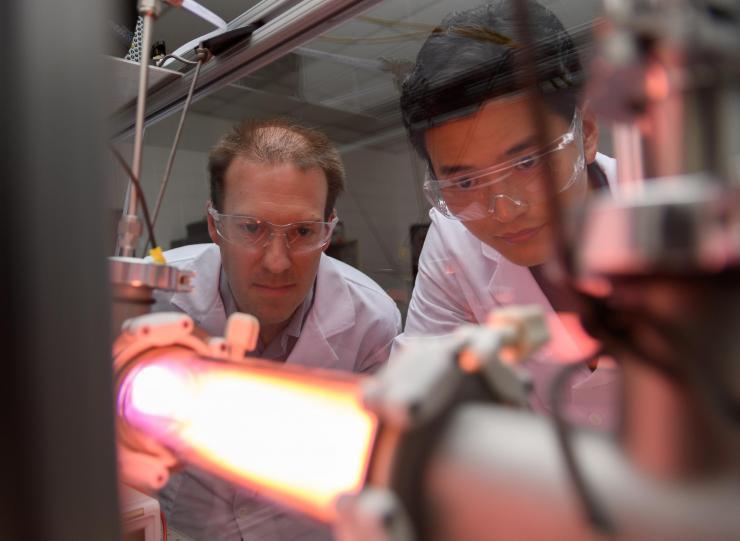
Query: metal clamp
{"points": [[131, 271], [143, 462], [411, 398], [150, 7]]}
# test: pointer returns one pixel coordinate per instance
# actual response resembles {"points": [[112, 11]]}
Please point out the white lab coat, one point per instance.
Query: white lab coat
{"points": [[461, 279], [350, 326]]}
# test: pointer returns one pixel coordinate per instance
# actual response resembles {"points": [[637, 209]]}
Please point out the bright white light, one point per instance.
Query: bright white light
{"points": [[159, 391], [299, 438]]}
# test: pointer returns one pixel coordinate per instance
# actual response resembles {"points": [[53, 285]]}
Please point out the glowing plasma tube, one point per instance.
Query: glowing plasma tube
{"points": [[299, 438]]}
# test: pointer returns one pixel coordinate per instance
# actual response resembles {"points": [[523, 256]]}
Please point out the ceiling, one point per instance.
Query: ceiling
{"points": [[344, 82]]}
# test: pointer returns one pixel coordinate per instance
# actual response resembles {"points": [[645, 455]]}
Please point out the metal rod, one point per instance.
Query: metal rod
{"points": [[127, 247], [175, 143], [628, 151], [141, 104]]}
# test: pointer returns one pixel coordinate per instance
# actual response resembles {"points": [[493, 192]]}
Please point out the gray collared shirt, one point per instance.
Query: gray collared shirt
{"points": [[280, 347]]}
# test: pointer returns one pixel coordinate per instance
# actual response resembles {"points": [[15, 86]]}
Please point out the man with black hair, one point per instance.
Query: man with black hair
{"points": [[468, 113]]}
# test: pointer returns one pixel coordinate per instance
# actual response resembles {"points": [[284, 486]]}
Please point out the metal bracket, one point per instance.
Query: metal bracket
{"points": [[419, 383], [242, 332], [150, 7], [373, 515]]}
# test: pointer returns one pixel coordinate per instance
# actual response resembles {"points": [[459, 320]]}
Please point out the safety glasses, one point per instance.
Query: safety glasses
{"points": [[516, 183], [256, 234]]}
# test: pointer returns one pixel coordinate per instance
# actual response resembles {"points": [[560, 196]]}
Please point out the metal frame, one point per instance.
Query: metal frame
{"points": [[57, 463], [279, 36]]}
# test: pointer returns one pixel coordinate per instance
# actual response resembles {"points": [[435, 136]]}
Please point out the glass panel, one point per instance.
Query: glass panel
{"points": [[347, 83]]}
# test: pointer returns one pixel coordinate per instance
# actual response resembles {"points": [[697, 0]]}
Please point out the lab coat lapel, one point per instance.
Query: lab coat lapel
{"points": [[204, 302], [512, 284], [332, 312]]}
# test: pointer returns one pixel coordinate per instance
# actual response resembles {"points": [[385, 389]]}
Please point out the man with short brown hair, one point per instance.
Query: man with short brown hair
{"points": [[276, 141], [273, 188]]}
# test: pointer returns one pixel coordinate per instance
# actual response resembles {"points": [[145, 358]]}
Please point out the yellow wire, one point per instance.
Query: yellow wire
{"points": [[157, 255]]}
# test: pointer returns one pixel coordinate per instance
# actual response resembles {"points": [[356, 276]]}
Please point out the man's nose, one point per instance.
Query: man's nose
{"points": [[277, 256], [506, 209]]}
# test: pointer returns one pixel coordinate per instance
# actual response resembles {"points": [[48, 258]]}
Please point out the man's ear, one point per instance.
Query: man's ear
{"points": [[331, 217], [590, 134], [212, 225]]}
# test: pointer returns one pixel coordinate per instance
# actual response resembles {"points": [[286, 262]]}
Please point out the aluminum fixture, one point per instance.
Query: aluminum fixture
{"points": [[129, 228], [282, 33], [133, 282]]}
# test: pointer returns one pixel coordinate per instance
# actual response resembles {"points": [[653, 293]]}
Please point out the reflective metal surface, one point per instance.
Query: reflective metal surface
{"points": [[136, 272], [683, 225]]}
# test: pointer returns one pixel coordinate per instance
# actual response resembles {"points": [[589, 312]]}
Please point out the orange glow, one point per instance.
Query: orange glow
{"points": [[468, 361], [569, 341], [299, 437], [657, 82]]}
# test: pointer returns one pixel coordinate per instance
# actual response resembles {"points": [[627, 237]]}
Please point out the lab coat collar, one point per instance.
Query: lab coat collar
{"points": [[339, 314], [514, 284], [511, 283], [204, 302], [333, 312]]}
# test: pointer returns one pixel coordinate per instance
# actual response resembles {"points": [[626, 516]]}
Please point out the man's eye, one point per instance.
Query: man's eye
{"points": [[250, 228], [464, 183], [527, 163], [305, 230]]}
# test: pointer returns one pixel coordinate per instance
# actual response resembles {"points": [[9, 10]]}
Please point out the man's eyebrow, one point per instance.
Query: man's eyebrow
{"points": [[449, 170], [523, 145]]}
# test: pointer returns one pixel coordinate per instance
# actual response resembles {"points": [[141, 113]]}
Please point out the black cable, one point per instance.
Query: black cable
{"points": [[593, 510], [139, 191]]}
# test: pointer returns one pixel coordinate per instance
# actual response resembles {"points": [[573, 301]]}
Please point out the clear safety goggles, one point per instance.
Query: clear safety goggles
{"points": [[512, 185], [250, 232]]}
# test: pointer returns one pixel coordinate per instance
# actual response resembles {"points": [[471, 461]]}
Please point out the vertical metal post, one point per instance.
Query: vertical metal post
{"points": [[130, 225], [628, 151], [57, 458]]}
